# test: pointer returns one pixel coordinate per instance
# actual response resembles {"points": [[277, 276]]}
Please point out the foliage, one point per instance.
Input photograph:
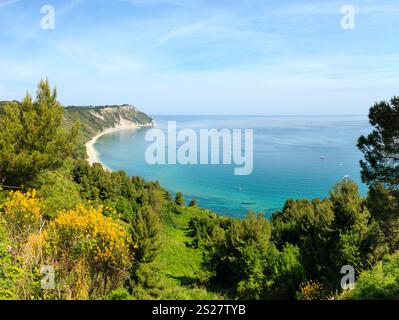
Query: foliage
{"points": [[244, 261], [22, 215], [284, 272], [307, 225], [117, 190], [383, 203], [17, 279], [31, 137], [145, 227], [179, 199], [9, 273], [236, 254], [381, 282], [311, 290], [330, 233], [380, 147], [20, 219], [193, 203], [176, 271], [57, 190], [110, 236], [89, 249]]}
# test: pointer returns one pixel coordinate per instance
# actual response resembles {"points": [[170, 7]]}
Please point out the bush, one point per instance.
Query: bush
{"points": [[193, 203], [22, 214], [236, 255], [19, 278], [90, 252], [311, 290], [179, 199], [379, 283]]}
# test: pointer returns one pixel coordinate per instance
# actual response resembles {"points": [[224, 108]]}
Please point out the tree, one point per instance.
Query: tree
{"points": [[380, 170], [381, 146], [284, 272], [145, 227], [349, 207], [179, 199], [308, 225], [379, 283], [193, 203], [384, 205], [236, 256], [31, 137], [352, 226]]}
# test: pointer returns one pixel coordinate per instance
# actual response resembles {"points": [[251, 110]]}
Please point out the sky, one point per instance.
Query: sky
{"points": [[254, 57]]}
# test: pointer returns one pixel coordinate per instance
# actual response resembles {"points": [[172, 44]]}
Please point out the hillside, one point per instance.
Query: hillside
{"points": [[111, 236], [94, 119]]}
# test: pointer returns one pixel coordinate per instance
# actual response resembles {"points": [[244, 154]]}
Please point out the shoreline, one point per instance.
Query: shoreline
{"points": [[92, 153]]}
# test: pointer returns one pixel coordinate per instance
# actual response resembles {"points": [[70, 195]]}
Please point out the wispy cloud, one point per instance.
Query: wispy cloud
{"points": [[4, 3], [180, 32], [110, 62], [187, 54]]}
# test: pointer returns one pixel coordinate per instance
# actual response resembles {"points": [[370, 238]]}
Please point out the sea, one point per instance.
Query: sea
{"points": [[294, 157]]}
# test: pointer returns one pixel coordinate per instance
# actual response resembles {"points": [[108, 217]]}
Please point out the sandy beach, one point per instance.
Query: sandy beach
{"points": [[93, 156]]}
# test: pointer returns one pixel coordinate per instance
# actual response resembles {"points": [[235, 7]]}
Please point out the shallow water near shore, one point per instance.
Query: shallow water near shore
{"points": [[294, 157]]}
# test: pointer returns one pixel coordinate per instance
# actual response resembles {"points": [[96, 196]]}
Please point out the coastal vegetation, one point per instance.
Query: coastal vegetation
{"points": [[110, 236]]}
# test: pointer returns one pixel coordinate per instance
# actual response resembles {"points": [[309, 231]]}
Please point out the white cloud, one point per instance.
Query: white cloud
{"points": [[108, 62], [4, 3], [180, 33], [334, 8]]}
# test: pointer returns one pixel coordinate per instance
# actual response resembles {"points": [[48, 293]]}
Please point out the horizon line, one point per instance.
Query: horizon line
{"points": [[262, 115]]}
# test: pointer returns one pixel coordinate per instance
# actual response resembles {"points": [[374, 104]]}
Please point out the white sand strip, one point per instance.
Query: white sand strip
{"points": [[93, 156]]}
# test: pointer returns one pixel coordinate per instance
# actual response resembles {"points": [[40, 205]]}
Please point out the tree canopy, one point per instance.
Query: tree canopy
{"points": [[381, 146], [31, 137]]}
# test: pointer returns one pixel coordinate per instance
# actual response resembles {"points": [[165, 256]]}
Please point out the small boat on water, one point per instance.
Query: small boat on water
{"points": [[323, 157]]}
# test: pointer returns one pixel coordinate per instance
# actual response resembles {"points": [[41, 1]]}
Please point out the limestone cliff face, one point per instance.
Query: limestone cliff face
{"points": [[94, 120], [111, 116]]}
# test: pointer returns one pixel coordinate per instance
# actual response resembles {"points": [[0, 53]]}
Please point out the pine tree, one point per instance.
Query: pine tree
{"points": [[31, 137], [179, 199], [381, 146], [193, 202]]}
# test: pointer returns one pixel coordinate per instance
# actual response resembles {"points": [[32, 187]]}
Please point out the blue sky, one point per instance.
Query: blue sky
{"points": [[204, 56]]}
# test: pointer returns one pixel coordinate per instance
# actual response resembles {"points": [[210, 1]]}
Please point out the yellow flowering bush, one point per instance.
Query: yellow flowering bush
{"points": [[85, 238], [22, 215], [311, 290], [89, 252], [87, 232]]}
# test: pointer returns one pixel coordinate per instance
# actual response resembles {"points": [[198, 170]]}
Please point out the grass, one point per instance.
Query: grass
{"points": [[178, 264]]}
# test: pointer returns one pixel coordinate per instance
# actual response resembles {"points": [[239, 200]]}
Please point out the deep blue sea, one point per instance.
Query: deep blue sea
{"points": [[294, 157]]}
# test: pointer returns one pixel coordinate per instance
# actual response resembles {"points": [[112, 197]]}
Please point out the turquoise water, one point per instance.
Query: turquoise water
{"points": [[287, 160]]}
